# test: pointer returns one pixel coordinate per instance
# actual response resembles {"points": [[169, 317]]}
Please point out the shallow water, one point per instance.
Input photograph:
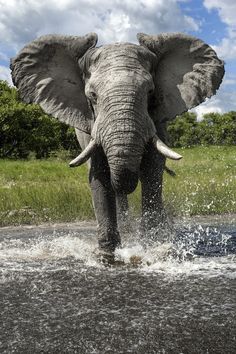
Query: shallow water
{"points": [[58, 297]]}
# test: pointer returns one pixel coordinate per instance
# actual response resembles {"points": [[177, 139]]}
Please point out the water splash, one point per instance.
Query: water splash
{"points": [[191, 249], [47, 248]]}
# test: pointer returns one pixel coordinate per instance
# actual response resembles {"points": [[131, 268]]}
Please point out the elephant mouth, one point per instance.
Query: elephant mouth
{"points": [[124, 181]]}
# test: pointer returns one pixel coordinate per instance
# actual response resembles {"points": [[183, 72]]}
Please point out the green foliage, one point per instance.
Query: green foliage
{"points": [[217, 129], [182, 131], [26, 130], [213, 129]]}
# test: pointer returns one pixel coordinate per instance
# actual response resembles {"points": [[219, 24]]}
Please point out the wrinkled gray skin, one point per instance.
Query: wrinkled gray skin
{"points": [[120, 97]]}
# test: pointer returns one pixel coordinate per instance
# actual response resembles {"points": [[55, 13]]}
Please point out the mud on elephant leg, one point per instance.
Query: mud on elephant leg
{"points": [[104, 201], [153, 212]]}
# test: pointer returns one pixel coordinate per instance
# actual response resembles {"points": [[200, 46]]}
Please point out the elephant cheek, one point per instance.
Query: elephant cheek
{"points": [[124, 181]]}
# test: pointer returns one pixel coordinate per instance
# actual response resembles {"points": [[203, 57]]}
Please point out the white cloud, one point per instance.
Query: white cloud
{"points": [[119, 20], [223, 102], [5, 74], [226, 10], [209, 106], [226, 49], [3, 57], [229, 80]]}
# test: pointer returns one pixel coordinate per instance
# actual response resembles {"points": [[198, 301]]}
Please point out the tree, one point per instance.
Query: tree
{"points": [[183, 131], [25, 128], [218, 129], [213, 129]]}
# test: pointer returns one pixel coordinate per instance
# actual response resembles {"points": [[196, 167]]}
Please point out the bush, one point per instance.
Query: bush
{"points": [[26, 129], [182, 131], [213, 129]]}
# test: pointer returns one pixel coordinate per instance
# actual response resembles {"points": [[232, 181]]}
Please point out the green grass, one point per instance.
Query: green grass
{"points": [[41, 191], [37, 191], [205, 182]]}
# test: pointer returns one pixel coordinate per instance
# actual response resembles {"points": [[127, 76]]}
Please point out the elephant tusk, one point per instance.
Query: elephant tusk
{"points": [[84, 155], [165, 150]]}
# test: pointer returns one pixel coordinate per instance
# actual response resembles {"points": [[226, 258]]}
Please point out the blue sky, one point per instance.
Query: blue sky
{"points": [[214, 21]]}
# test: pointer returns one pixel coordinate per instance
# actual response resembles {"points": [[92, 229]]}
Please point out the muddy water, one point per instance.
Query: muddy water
{"points": [[58, 297]]}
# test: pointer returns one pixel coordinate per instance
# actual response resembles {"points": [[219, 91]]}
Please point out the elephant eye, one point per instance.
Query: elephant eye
{"points": [[150, 92], [93, 97]]}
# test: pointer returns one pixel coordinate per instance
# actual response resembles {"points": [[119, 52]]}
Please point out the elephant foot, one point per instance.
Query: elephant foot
{"points": [[107, 258], [108, 240], [104, 257]]}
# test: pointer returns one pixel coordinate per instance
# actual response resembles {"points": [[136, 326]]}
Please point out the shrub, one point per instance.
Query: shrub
{"points": [[213, 129], [25, 128]]}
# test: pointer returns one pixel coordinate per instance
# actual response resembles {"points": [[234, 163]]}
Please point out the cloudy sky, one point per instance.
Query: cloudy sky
{"points": [[214, 21]]}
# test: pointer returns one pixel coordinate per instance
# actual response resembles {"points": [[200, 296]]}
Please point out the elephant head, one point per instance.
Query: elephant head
{"points": [[121, 94]]}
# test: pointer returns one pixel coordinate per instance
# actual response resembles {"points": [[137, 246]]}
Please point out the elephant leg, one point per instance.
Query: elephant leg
{"points": [[123, 212], [104, 201], [151, 176], [122, 206]]}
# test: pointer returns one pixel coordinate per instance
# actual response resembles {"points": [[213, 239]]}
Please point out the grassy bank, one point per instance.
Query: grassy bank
{"points": [[39, 191]]}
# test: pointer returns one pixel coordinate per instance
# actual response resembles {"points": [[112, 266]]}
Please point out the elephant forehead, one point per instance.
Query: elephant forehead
{"points": [[125, 54], [121, 78]]}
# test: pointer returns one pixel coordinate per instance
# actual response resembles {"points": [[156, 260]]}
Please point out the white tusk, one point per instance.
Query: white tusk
{"points": [[165, 150], [84, 155]]}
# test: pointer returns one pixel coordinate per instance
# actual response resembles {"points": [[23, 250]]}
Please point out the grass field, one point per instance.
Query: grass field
{"points": [[37, 191]]}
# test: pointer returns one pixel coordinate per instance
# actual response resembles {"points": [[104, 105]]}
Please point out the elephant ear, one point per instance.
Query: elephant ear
{"points": [[46, 71], [187, 72]]}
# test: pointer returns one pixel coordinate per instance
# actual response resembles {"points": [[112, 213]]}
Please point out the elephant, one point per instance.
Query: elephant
{"points": [[119, 98]]}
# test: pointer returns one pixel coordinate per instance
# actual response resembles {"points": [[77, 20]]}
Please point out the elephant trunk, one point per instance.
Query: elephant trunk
{"points": [[123, 130], [124, 158], [124, 161]]}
